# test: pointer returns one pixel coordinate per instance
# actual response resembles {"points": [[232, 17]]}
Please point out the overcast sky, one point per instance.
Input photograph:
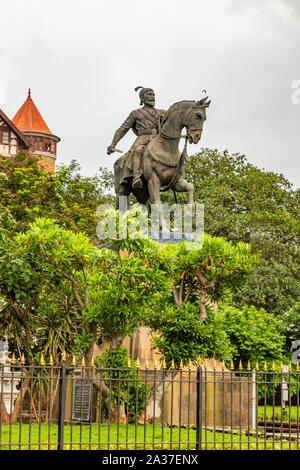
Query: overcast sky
{"points": [[83, 59]]}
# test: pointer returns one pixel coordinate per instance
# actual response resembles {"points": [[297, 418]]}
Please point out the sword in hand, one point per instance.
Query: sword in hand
{"points": [[112, 149]]}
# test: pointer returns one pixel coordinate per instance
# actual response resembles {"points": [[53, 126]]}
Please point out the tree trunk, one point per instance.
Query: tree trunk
{"points": [[117, 414], [24, 387], [4, 414], [28, 342], [53, 397], [116, 342], [203, 302], [88, 355], [154, 406], [105, 391]]}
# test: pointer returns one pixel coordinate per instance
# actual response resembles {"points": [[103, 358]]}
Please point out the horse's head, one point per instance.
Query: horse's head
{"points": [[194, 120]]}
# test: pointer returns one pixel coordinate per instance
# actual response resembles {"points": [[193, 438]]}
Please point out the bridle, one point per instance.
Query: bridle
{"points": [[171, 137], [183, 156], [181, 161]]}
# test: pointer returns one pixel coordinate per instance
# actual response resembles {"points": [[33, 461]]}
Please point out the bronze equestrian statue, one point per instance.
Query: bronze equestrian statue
{"points": [[154, 160]]}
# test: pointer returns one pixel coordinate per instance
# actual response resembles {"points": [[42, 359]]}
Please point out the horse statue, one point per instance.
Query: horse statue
{"points": [[163, 163]]}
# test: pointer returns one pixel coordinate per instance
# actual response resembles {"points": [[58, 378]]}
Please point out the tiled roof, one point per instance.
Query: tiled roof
{"points": [[14, 129], [29, 119]]}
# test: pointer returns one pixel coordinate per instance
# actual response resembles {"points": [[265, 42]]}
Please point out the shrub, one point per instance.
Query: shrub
{"points": [[117, 375]]}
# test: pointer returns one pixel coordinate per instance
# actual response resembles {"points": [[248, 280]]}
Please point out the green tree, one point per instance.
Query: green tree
{"points": [[184, 279], [258, 337], [66, 196], [62, 271], [291, 322], [206, 272], [20, 284], [115, 292], [255, 335], [179, 335], [246, 204], [187, 327], [103, 291], [122, 382]]}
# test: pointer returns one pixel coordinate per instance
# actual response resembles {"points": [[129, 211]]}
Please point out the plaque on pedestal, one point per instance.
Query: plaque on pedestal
{"points": [[82, 399]]}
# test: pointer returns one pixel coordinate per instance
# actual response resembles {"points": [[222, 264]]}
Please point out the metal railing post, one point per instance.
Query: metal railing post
{"points": [[199, 410], [253, 400], [61, 406]]}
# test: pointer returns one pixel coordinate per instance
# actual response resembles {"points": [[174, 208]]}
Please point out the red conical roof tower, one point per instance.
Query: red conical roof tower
{"points": [[29, 119], [30, 122]]}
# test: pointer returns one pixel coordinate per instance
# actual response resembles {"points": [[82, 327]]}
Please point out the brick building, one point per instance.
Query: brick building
{"points": [[28, 131]]}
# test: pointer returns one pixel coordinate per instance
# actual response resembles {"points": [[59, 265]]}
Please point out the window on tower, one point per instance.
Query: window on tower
{"points": [[38, 144]]}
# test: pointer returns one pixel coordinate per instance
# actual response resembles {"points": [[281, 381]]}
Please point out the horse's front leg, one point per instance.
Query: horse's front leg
{"points": [[122, 202], [122, 197], [183, 186], [154, 191]]}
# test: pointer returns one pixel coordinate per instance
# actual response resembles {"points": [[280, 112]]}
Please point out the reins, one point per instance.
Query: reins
{"points": [[166, 136], [181, 161]]}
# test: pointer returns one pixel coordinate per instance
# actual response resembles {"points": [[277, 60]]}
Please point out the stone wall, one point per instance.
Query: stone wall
{"points": [[47, 163], [226, 398]]}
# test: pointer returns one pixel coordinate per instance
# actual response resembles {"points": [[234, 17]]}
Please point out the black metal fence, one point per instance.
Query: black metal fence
{"points": [[71, 407]]}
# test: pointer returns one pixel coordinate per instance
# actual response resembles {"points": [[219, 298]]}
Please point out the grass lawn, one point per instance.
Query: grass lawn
{"points": [[267, 414], [115, 437]]}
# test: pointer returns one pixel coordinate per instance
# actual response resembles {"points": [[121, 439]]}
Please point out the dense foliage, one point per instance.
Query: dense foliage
{"points": [[254, 335], [48, 271], [180, 337], [291, 322], [121, 381], [208, 270], [66, 196], [246, 204], [60, 292]]}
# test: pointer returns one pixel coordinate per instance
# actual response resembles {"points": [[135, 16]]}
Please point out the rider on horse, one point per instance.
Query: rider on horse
{"points": [[145, 124]]}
